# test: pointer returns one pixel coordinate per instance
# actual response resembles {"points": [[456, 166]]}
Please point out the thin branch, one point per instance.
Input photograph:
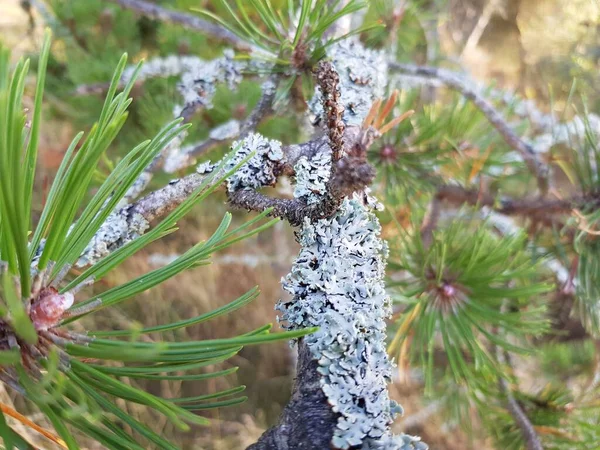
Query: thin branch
{"points": [[263, 108], [456, 82], [293, 210], [328, 81], [186, 20], [131, 221], [352, 174], [539, 209], [532, 440], [430, 221], [161, 202]]}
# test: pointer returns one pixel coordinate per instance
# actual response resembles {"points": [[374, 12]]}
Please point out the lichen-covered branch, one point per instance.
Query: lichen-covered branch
{"points": [[451, 80], [337, 279], [131, 221], [234, 129], [186, 20], [340, 398], [197, 87], [263, 108], [363, 76]]}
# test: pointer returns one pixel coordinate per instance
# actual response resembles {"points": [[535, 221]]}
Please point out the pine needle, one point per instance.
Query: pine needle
{"points": [[28, 423]]}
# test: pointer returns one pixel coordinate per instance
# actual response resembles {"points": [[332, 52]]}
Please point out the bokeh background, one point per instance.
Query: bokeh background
{"points": [[534, 47]]}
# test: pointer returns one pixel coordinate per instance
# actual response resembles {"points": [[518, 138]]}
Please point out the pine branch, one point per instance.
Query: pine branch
{"points": [[342, 182], [532, 440], [537, 167], [324, 381], [307, 421], [538, 209], [186, 20], [263, 108], [328, 81]]}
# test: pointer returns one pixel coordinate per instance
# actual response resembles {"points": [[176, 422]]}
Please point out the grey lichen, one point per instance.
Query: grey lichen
{"points": [[205, 168], [199, 84], [260, 169], [227, 130], [363, 78], [136, 189], [337, 285], [179, 157], [163, 67], [119, 228], [312, 177], [198, 78], [175, 157], [395, 442]]}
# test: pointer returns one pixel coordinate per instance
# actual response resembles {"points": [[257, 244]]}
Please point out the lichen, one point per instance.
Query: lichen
{"points": [[363, 78], [198, 78], [135, 189], [205, 168], [119, 228], [259, 170], [163, 67], [312, 177], [337, 285], [227, 130], [175, 157], [198, 85], [395, 442]]}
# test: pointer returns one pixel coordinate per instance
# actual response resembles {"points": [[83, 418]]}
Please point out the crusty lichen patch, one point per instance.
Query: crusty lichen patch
{"points": [[120, 227], [337, 283], [312, 176], [259, 170]]}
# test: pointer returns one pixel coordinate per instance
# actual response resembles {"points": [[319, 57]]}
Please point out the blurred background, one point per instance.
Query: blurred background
{"points": [[532, 47]]}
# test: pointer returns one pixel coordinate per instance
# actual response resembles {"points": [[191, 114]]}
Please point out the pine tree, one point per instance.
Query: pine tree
{"points": [[493, 273]]}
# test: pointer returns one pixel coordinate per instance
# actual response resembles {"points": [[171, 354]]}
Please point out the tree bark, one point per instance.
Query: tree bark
{"points": [[307, 422]]}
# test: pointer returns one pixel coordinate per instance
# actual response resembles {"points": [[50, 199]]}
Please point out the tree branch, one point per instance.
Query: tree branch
{"points": [[263, 108], [293, 210], [186, 20], [307, 422], [539, 209], [532, 440], [328, 81], [454, 81]]}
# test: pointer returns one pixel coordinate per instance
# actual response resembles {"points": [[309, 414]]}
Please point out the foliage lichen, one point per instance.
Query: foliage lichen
{"points": [[260, 168], [337, 283]]}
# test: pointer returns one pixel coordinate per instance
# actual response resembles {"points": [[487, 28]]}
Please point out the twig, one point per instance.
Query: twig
{"points": [[454, 81], [293, 210], [263, 108], [186, 20], [532, 440], [162, 201], [430, 221], [328, 81], [536, 208], [490, 9]]}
